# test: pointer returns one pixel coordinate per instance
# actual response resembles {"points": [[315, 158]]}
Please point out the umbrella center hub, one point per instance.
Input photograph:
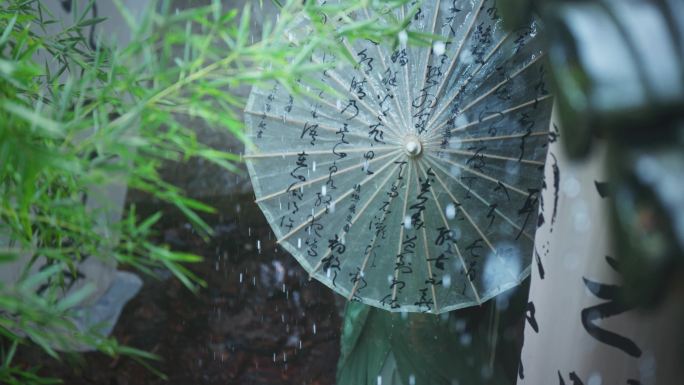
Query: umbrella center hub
{"points": [[413, 146]]}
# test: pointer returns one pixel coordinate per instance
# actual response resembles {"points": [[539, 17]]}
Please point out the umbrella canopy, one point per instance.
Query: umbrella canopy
{"points": [[418, 189]]}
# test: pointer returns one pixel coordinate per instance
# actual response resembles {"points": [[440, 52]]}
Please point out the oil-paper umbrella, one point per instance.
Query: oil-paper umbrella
{"points": [[418, 189]]}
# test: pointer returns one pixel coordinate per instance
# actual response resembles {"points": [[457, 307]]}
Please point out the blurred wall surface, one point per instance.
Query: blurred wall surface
{"points": [[577, 330]]}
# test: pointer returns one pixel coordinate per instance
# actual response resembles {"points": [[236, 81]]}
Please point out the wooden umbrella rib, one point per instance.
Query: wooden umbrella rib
{"points": [[489, 117], [339, 199], [452, 65], [493, 156], [463, 210], [356, 218], [481, 175], [497, 211], [361, 102], [437, 142], [375, 90], [431, 278], [431, 50], [299, 122], [502, 137], [375, 235], [401, 230], [501, 83], [470, 220], [458, 250], [311, 181], [407, 87], [400, 111], [470, 78], [321, 152]]}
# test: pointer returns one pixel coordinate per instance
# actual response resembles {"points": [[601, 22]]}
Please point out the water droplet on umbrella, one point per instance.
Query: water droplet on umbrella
{"points": [[439, 48], [446, 281], [324, 190], [407, 222], [403, 37], [450, 211]]}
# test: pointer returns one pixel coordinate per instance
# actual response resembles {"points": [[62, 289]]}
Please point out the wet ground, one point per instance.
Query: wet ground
{"points": [[259, 321]]}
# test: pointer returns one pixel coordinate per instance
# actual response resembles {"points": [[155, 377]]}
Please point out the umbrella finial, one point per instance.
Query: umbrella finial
{"points": [[413, 146]]}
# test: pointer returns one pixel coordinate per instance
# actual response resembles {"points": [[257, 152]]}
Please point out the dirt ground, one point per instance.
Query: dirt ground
{"points": [[259, 320]]}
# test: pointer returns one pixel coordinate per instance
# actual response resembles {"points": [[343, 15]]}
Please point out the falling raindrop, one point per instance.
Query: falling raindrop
{"points": [[379, 381], [313, 167], [299, 243], [466, 339], [240, 277], [314, 328], [324, 190], [259, 246], [412, 380], [595, 379]]}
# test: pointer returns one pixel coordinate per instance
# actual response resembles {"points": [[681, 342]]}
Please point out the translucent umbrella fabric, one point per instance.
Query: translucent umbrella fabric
{"points": [[418, 189]]}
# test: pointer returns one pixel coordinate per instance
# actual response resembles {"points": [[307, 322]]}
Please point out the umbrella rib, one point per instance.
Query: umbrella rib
{"points": [[375, 90], [501, 83], [401, 233], [492, 116], [321, 152], [427, 251], [339, 199], [502, 215], [479, 231], [437, 141], [452, 66], [501, 137], [356, 98], [375, 235], [491, 156], [400, 111], [409, 121], [302, 122], [430, 51], [481, 175], [356, 218], [311, 181], [458, 250], [469, 79]]}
